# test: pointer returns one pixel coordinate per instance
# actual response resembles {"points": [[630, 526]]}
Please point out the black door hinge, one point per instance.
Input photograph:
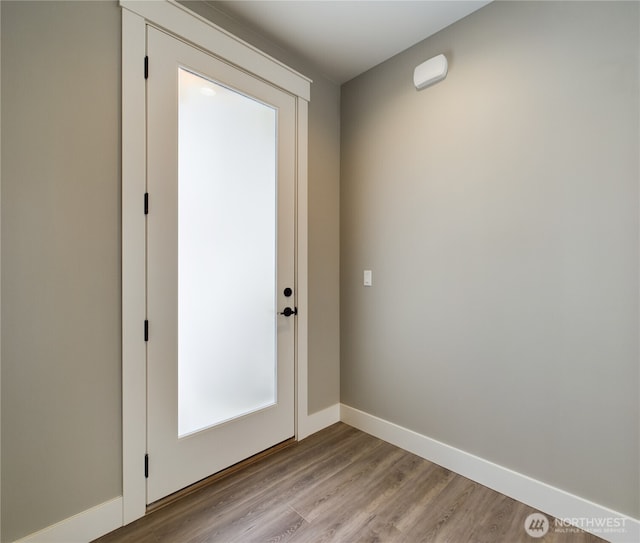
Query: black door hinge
{"points": [[146, 67], [146, 330], [146, 203], [146, 466]]}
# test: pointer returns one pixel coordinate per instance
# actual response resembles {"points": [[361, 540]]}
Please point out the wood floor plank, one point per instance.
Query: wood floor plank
{"points": [[500, 517], [424, 496], [439, 516], [340, 486], [278, 528], [374, 510], [349, 486]]}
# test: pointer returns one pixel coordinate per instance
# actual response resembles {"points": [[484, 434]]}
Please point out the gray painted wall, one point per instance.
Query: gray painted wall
{"points": [[61, 429], [61, 360], [498, 211]]}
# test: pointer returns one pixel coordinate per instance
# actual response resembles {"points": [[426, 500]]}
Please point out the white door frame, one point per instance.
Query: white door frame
{"points": [[182, 23]]}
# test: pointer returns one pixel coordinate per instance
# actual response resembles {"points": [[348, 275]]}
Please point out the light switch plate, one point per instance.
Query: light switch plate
{"points": [[368, 278]]}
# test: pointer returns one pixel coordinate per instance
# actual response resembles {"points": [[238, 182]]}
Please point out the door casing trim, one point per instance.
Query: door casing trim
{"points": [[186, 25]]}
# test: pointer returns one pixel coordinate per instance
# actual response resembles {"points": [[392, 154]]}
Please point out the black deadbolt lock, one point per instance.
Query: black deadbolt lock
{"points": [[288, 292]]}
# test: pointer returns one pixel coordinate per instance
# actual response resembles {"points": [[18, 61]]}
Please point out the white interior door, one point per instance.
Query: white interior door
{"points": [[220, 265]]}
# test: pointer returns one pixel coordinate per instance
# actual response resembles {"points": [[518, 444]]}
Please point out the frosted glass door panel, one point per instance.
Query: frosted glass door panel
{"points": [[226, 254]]}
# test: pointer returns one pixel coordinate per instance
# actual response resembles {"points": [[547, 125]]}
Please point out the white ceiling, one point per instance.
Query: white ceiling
{"points": [[345, 38]]}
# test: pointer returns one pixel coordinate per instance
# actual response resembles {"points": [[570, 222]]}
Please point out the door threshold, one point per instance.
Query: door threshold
{"points": [[171, 498]]}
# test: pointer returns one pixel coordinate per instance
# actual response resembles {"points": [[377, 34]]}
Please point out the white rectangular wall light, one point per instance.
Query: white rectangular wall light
{"points": [[431, 71]]}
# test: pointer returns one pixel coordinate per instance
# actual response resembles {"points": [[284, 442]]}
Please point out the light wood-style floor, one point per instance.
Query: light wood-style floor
{"points": [[340, 485]]}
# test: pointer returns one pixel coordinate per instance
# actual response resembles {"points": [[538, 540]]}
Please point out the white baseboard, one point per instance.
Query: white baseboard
{"points": [[587, 515], [317, 421], [83, 527]]}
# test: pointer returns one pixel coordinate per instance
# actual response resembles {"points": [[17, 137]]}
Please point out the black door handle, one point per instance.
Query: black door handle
{"points": [[288, 311]]}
